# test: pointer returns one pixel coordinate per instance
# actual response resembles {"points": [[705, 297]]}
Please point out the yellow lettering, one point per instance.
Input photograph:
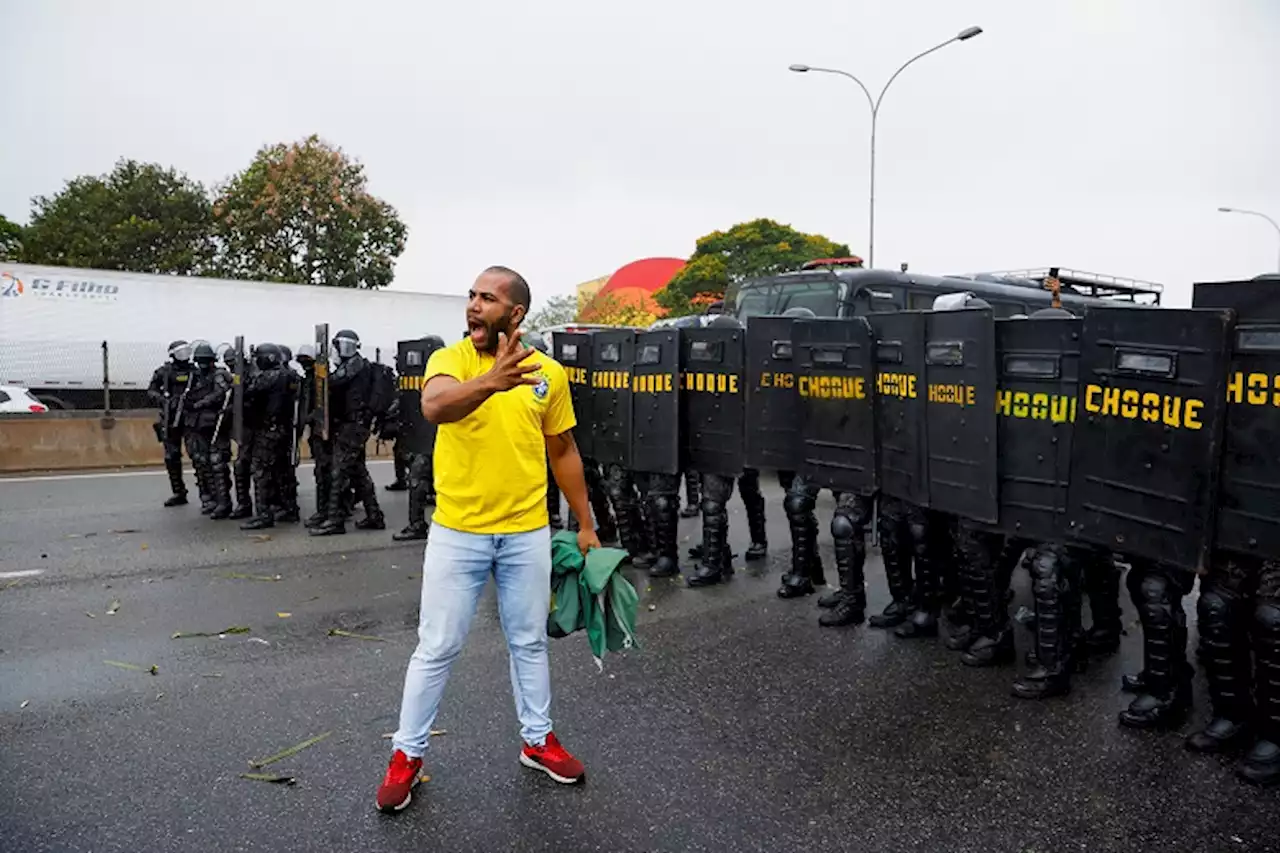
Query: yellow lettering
{"points": [[1089, 403], [1111, 401], [1191, 414], [733, 383], [1151, 407], [1235, 387], [1039, 406], [1003, 399], [666, 382], [1020, 400], [860, 388], [1257, 389], [1129, 409], [970, 395], [1062, 410], [1173, 411]]}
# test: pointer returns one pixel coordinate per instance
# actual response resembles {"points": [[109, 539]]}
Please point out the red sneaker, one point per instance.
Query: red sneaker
{"points": [[397, 786], [554, 760]]}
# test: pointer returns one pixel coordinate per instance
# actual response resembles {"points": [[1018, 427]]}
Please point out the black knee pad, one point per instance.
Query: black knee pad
{"points": [[662, 504], [1266, 616], [1153, 588], [797, 504], [843, 527]]}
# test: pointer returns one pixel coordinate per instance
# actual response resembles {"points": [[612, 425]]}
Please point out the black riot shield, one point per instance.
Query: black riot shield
{"points": [[1038, 371], [655, 409], [322, 381], [773, 430], [960, 375], [1148, 439], [835, 372], [1249, 491], [417, 433], [712, 400], [573, 351], [612, 355], [237, 394], [900, 405]]}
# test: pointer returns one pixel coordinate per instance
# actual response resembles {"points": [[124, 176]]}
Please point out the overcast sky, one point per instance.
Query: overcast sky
{"points": [[567, 137]]}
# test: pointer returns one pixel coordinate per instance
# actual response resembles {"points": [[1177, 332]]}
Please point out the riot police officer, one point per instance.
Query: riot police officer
{"points": [[268, 407], [321, 448], [350, 388], [168, 390], [207, 434], [287, 453], [421, 477]]}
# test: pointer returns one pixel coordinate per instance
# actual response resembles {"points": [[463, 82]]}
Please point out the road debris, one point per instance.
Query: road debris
{"points": [[261, 537], [234, 629], [283, 614], [25, 703], [241, 576], [291, 751], [259, 640], [113, 608], [269, 777], [211, 675], [338, 632], [153, 669], [122, 530], [90, 615]]}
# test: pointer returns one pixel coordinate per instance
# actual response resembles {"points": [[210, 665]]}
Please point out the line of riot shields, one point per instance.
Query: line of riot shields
{"points": [[1106, 429]]}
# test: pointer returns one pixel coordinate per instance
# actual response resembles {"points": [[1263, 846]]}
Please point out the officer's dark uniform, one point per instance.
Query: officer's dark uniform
{"points": [[420, 472], [167, 391], [208, 428], [268, 406]]}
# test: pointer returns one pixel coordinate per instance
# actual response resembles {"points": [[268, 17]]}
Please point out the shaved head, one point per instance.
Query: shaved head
{"points": [[517, 287]]}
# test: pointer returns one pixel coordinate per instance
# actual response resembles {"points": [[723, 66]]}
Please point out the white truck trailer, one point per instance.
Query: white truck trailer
{"points": [[57, 322]]}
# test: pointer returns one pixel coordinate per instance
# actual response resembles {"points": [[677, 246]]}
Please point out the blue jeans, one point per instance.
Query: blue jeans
{"points": [[455, 569]]}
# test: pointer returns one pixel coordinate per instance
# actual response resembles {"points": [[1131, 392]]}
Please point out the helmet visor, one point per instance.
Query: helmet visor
{"points": [[345, 347], [182, 353]]}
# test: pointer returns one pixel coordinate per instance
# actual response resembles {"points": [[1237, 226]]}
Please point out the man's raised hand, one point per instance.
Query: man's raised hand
{"points": [[509, 368]]}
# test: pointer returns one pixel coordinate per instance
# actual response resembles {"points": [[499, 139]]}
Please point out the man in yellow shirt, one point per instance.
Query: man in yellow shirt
{"points": [[503, 410]]}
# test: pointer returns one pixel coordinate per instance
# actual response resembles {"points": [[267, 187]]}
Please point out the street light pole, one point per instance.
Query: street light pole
{"points": [[874, 103], [1274, 224]]}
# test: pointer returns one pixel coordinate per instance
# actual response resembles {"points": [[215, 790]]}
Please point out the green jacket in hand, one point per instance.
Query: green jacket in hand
{"points": [[591, 594]]}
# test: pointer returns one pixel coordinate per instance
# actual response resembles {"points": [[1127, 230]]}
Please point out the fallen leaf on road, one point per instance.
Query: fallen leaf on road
{"points": [[241, 576], [284, 615], [159, 696], [338, 632], [259, 640], [155, 670], [293, 750], [115, 606], [133, 666], [125, 530], [424, 778], [261, 537], [25, 703], [90, 615], [145, 546], [269, 777], [234, 629], [211, 675]]}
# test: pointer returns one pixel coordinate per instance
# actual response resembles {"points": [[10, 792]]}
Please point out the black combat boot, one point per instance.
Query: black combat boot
{"points": [[396, 486], [1054, 585], [173, 467], [1102, 585], [372, 521], [315, 520], [923, 621], [259, 522], [330, 527], [1167, 694], [993, 636], [1224, 633], [1261, 765], [179, 499], [662, 509], [418, 530], [960, 593], [897, 573], [759, 548], [692, 495], [796, 581], [711, 562]]}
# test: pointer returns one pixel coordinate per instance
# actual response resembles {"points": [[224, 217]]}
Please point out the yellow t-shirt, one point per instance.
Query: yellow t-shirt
{"points": [[491, 466]]}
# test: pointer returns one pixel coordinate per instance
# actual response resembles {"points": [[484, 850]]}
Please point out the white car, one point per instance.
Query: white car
{"points": [[15, 398]]}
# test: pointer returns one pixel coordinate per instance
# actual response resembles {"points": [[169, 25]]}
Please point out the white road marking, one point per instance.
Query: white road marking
{"points": [[105, 475], [25, 573]]}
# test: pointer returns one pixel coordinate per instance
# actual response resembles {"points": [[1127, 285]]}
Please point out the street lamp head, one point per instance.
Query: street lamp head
{"points": [[797, 67], [968, 33]]}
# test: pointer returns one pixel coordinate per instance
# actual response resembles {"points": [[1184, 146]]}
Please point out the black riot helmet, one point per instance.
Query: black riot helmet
{"points": [[268, 356], [346, 344], [800, 313], [723, 321], [539, 343], [224, 353], [180, 352], [307, 355], [204, 355], [288, 353], [434, 341], [1051, 314]]}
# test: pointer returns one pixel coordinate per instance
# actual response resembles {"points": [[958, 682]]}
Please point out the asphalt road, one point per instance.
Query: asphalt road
{"points": [[739, 726]]}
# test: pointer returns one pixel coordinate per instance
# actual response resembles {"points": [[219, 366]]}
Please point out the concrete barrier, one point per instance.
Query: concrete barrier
{"points": [[87, 440]]}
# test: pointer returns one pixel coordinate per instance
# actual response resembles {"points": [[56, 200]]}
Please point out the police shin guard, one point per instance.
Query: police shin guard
{"points": [[173, 467], [714, 561], [992, 635], [895, 553], [1224, 632], [630, 524], [753, 500], [1102, 585], [1261, 766], [1053, 589], [606, 527], [692, 495], [799, 508], [221, 475], [666, 520], [851, 555], [1166, 675], [924, 619], [244, 483]]}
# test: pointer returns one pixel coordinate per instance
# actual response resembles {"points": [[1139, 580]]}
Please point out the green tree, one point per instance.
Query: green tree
{"points": [[10, 240], [303, 213], [747, 250], [556, 311], [140, 217], [608, 310]]}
